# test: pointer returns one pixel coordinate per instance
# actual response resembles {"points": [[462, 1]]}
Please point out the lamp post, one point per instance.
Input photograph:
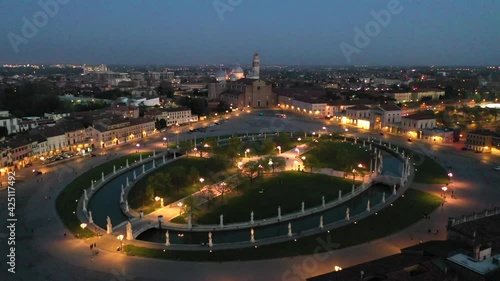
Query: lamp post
{"points": [[246, 152], [271, 164], [165, 141], [120, 237], [299, 139], [353, 175], [297, 150], [157, 199], [444, 188], [202, 180], [279, 149], [450, 175], [83, 225]]}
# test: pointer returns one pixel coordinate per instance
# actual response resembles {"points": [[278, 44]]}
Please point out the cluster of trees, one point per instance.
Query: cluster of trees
{"points": [[31, 98], [254, 169], [324, 152], [165, 184]]}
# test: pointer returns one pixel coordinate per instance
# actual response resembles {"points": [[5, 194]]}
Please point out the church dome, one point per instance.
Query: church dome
{"points": [[220, 75], [236, 69]]}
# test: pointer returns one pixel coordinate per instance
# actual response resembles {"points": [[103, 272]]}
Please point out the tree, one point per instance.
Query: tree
{"points": [[251, 169], [158, 184], [311, 162], [222, 188], [190, 206], [209, 194], [178, 177], [194, 175], [222, 107]]}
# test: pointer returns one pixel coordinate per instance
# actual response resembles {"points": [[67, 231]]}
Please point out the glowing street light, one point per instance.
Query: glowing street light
{"points": [[83, 225], [271, 164], [297, 150], [444, 188], [299, 139], [202, 180], [279, 149], [360, 165], [120, 237], [240, 164], [246, 152]]}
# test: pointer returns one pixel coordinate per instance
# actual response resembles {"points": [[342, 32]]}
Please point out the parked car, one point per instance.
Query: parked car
{"points": [[497, 168]]}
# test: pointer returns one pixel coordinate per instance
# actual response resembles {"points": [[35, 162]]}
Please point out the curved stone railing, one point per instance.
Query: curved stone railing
{"points": [[408, 173]]}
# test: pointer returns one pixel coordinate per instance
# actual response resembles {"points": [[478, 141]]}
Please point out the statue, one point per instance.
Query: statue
{"points": [[279, 212], [91, 220], [289, 229], [210, 243], [221, 221], [167, 239], [368, 205], [303, 207], [347, 215], [130, 236], [252, 236], [109, 226], [251, 217], [323, 201], [321, 222]]}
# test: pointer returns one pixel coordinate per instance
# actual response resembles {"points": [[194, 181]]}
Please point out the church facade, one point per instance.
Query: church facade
{"points": [[240, 90]]}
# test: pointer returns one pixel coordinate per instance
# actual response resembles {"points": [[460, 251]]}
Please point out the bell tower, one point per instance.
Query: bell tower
{"points": [[256, 64]]}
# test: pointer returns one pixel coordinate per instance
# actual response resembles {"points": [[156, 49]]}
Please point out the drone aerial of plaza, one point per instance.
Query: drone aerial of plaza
{"points": [[161, 141]]}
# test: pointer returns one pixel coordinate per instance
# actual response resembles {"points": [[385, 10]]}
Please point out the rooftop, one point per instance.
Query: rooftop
{"points": [[359, 107], [482, 267], [421, 115]]}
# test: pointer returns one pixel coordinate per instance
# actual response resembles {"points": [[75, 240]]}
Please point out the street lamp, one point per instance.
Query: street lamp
{"points": [[271, 164], [240, 164], [360, 165], [165, 140], [202, 180], [246, 152], [158, 199], [353, 175], [297, 150], [444, 188], [120, 237], [299, 139], [83, 225], [279, 149]]}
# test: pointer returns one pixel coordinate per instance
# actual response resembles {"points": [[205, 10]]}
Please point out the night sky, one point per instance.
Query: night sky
{"points": [[173, 32]]}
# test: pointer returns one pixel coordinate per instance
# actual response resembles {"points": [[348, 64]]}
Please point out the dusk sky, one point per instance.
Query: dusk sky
{"points": [[448, 32]]}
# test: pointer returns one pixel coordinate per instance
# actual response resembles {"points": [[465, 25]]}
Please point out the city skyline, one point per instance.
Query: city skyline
{"points": [[216, 32]]}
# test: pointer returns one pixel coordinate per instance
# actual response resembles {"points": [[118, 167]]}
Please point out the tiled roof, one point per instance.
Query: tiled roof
{"points": [[359, 107]]}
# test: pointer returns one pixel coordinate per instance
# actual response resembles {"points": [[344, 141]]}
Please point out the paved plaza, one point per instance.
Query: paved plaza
{"points": [[46, 251]]}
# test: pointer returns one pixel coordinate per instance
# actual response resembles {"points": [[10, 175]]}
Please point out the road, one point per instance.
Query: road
{"points": [[44, 253]]}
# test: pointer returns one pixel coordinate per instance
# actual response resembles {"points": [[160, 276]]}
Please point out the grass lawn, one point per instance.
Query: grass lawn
{"points": [[428, 170], [136, 195], [405, 212], [287, 189], [339, 155], [66, 201]]}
